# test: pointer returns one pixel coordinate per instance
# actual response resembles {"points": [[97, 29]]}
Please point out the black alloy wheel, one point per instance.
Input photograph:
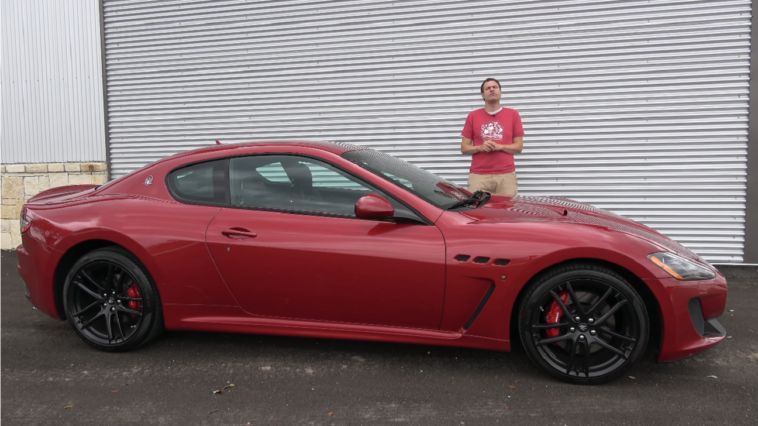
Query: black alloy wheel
{"points": [[584, 324], [111, 300]]}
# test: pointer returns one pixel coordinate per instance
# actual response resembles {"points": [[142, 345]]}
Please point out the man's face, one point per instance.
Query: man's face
{"points": [[491, 91]]}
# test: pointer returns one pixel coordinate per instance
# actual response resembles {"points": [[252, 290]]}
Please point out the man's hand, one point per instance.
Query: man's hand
{"points": [[489, 146], [468, 148]]}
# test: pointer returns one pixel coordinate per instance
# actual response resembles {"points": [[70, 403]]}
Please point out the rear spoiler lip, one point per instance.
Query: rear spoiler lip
{"points": [[60, 193]]}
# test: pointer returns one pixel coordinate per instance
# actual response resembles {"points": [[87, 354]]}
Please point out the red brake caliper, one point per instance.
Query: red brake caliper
{"points": [[555, 314], [136, 306]]}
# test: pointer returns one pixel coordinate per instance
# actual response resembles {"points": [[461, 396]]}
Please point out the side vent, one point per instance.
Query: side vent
{"points": [[480, 307], [481, 259]]}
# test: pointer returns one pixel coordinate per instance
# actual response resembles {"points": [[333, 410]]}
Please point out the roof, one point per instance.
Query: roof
{"points": [[337, 148]]}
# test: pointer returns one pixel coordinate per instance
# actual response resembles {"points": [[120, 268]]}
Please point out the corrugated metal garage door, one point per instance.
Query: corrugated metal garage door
{"points": [[639, 107], [51, 88]]}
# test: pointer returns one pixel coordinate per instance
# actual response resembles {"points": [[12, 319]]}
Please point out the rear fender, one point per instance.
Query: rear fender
{"points": [[117, 238]]}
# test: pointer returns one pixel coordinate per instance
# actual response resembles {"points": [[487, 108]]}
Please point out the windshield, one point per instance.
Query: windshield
{"points": [[425, 185]]}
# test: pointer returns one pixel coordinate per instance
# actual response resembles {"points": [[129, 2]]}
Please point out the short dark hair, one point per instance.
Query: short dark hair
{"points": [[481, 89]]}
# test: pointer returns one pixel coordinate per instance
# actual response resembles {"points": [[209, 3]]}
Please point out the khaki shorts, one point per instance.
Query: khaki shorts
{"points": [[505, 184]]}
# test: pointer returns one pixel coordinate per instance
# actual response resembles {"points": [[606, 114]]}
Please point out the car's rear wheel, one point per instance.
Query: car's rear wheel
{"points": [[111, 300], [583, 324]]}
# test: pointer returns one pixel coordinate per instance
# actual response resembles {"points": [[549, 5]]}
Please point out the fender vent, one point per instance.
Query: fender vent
{"points": [[502, 262], [462, 257], [480, 307], [481, 259]]}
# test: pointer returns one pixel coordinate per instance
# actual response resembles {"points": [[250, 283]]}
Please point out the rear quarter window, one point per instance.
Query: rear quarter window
{"points": [[202, 183]]}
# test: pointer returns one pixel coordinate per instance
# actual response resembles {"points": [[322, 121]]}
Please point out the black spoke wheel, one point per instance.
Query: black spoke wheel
{"points": [[583, 323], [111, 300]]}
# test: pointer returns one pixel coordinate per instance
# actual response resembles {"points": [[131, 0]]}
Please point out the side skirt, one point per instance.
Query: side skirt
{"points": [[230, 319]]}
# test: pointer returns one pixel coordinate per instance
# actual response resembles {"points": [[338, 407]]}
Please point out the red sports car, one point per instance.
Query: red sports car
{"points": [[339, 241]]}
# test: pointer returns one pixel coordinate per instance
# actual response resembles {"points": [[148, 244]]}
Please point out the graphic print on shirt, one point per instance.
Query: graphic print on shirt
{"points": [[492, 131]]}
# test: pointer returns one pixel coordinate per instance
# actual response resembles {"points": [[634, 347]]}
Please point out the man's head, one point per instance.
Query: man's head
{"points": [[490, 90], [485, 85]]}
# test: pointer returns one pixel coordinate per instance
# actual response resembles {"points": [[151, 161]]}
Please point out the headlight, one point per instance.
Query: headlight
{"points": [[681, 268]]}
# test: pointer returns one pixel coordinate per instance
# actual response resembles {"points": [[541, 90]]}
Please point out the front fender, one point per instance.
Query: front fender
{"points": [[530, 248]]}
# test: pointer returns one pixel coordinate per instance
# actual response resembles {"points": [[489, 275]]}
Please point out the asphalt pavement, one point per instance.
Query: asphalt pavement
{"points": [[51, 377]]}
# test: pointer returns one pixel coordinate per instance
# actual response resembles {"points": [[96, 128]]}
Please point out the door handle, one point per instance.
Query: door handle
{"points": [[238, 233]]}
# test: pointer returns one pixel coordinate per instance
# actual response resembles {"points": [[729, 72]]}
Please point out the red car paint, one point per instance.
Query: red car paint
{"points": [[219, 268]]}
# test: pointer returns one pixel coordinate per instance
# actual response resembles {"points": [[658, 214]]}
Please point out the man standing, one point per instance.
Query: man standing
{"points": [[492, 135]]}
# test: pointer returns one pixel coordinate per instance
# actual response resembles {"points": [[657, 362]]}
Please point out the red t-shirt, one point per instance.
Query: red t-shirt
{"points": [[502, 128]]}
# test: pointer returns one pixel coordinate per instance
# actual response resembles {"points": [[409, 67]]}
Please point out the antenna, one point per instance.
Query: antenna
{"points": [[218, 143]]}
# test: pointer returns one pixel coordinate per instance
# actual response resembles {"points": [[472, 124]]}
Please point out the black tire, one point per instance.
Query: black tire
{"points": [[111, 300], [608, 338]]}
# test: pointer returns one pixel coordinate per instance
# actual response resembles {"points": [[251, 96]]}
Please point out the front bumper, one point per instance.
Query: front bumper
{"points": [[689, 310]]}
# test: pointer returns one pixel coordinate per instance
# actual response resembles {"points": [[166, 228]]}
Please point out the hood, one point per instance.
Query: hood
{"points": [[555, 209]]}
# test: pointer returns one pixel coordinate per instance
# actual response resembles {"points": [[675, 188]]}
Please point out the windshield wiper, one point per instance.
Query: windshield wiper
{"points": [[478, 197]]}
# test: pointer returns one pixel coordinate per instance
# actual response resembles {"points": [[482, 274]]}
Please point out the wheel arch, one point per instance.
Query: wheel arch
{"points": [[69, 258], [651, 302]]}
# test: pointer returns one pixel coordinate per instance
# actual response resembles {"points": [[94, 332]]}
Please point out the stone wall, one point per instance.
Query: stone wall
{"points": [[22, 181]]}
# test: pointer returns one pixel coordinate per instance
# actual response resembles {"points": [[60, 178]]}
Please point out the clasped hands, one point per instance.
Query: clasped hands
{"points": [[489, 146]]}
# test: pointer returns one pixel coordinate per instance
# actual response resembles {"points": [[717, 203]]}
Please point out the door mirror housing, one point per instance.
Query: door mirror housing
{"points": [[373, 206]]}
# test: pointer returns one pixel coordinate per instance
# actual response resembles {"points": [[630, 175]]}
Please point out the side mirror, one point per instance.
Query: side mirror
{"points": [[373, 206]]}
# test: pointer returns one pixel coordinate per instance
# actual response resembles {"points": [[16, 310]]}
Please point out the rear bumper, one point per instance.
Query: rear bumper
{"points": [[36, 265], [689, 311]]}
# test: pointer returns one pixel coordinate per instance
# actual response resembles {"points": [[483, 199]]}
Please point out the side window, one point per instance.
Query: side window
{"points": [[274, 172], [203, 183], [293, 183], [326, 178]]}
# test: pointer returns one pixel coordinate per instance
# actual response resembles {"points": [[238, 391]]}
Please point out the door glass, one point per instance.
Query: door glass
{"points": [[293, 183], [274, 172]]}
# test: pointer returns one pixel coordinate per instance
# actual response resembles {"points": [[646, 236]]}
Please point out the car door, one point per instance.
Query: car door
{"points": [[291, 246]]}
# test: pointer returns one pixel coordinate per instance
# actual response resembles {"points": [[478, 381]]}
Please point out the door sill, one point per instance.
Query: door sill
{"points": [[190, 317]]}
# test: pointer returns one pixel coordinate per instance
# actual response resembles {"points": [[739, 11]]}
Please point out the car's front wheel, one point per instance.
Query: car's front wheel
{"points": [[583, 323], [111, 300]]}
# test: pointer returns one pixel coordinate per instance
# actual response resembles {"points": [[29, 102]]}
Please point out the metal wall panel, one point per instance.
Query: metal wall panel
{"points": [[51, 82], [639, 107]]}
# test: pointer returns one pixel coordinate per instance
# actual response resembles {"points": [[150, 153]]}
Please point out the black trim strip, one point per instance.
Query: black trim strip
{"points": [[750, 254], [480, 307], [104, 71]]}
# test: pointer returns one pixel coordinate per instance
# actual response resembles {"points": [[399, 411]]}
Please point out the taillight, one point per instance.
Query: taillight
{"points": [[26, 220]]}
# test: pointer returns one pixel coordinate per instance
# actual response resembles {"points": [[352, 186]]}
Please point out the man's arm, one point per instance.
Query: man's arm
{"points": [[468, 149], [516, 147]]}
